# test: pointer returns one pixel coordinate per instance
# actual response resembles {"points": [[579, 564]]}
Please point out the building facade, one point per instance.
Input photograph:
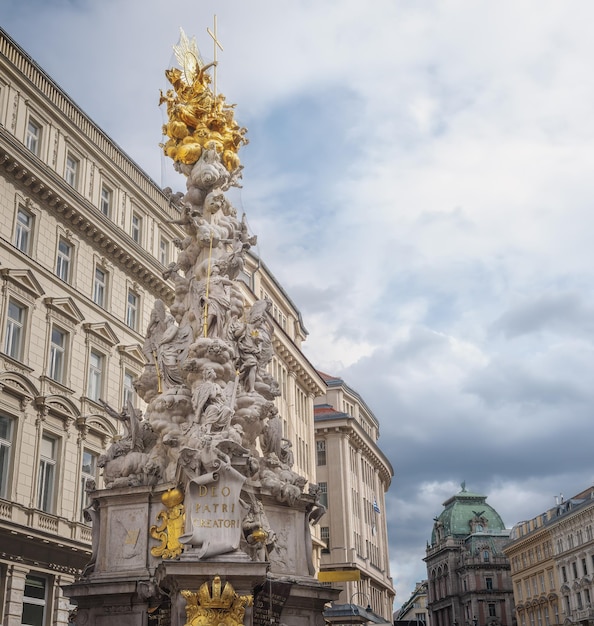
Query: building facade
{"points": [[467, 570], [353, 476], [84, 239], [552, 561], [414, 611]]}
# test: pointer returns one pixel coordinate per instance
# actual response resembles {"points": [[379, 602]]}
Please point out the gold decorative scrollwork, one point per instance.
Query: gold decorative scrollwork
{"points": [[171, 527], [215, 604]]}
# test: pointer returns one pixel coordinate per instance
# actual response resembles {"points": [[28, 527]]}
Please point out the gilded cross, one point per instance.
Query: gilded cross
{"points": [[216, 44]]}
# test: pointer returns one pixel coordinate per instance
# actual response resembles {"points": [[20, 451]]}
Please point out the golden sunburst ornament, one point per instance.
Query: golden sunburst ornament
{"points": [[188, 57]]}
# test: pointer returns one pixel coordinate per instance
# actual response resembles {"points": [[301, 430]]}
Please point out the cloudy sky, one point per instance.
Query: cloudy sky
{"points": [[420, 176]]}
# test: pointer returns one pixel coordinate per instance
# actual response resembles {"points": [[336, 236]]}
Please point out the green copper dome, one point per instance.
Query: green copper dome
{"points": [[464, 514]]}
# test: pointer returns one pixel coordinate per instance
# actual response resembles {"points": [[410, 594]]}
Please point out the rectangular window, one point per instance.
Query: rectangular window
{"points": [[547, 616], [5, 450], [585, 567], [88, 472], [47, 474], [15, 330], [136, 229], [564, 574], [64, 260], [325, 537], [580, 604], [489, 583], [132, 310], [57, 354], [164, 251], [587, 597], [71, 171], [106, 200], [99, 286], [492, 612], [34, 600], [23, 231], [321, 452], [33, 137], [574, 569], [323, 494], [128, 389], [95, 375]]}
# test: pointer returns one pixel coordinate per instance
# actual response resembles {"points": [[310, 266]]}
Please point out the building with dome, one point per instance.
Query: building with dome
{"points": [[468, 572]]}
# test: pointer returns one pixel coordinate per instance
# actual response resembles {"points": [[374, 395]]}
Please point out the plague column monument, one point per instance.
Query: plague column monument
{"points": [[203, 520]]}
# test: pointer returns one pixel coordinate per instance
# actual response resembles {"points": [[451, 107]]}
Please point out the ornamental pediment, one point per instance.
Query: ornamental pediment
{"points": [[65, 307], [134, 353], [23, 280], [103, 332], [59, 406]]}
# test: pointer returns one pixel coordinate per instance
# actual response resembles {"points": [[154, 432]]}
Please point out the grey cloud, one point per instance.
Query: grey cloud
{"points": [[556, 312]]}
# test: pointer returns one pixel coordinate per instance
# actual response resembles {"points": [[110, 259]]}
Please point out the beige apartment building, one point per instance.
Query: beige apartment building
{"points": [[414, 611], [353, 476], [85, 237], [84, 240], [552, 561]]}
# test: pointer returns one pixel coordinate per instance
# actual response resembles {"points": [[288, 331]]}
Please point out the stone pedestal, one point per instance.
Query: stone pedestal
{"points": [[128, 586]]}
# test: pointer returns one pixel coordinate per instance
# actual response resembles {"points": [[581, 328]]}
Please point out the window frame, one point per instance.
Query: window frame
{"points": [[136, 227], [64, 261], [6, 452], [19, 228], [62, 351], [45, 501], [85, 477], [33, 601], [164, 250], [96, 375], [128, 390], [33, 141], [100, 288], [22, 325], [72, 165], [321, 453], [106, 204], [132, 310]]}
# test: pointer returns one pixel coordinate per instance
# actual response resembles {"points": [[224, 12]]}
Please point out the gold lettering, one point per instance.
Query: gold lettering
{"points": [[224, 508], [215, 506], [216, 523], [197, 507], [232, 508], [202, 490], [206, 508], [225, 491], [213, 492]]}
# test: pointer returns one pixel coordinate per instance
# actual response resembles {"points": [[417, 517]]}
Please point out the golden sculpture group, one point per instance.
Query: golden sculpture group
{"points": [[197, 116]]}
